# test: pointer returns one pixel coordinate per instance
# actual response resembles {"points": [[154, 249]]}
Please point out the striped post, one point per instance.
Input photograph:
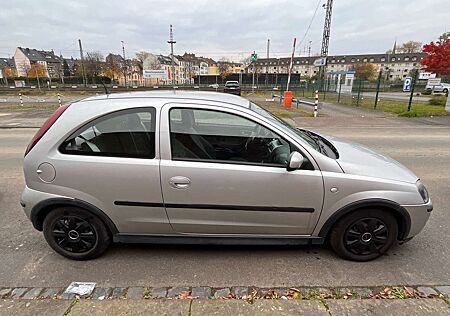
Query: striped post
{"points": [[20, 98], [316, 103], [59, 99]]}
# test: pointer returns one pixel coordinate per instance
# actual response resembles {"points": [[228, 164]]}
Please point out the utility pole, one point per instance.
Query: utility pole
{"points": [[83, 72], [125, 70], [171, 42], [61, 70], [309, 48], [267, 68], [326, 36]]}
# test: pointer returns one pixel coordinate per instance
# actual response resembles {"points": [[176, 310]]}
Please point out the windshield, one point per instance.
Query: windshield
{"points": [[304, 135]]}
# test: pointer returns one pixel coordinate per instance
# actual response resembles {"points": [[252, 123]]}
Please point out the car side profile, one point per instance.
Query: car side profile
{"points": [[206, 167]]}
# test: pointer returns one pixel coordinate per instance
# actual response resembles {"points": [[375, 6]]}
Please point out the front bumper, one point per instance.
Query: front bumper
{"points": [[419, 215]]}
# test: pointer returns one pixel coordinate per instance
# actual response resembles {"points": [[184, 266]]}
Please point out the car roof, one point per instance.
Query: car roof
{"points": [[175, 95]]}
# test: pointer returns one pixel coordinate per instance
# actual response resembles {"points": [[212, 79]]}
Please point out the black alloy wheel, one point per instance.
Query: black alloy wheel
{"points": [[364, 234], [76, 233]]}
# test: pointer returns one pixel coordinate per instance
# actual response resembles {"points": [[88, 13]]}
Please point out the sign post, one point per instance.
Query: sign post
{"points": [[254, 58], [413, 83]]}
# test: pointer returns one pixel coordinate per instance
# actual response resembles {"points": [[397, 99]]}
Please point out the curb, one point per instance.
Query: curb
{"points": [[235, 292]]}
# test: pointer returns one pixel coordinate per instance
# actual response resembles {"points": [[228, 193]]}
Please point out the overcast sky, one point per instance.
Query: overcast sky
{"points": [[217, 29]]}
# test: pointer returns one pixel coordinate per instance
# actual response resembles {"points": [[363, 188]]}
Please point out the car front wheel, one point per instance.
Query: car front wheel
{"points": [[75, 233], [364, 235]]}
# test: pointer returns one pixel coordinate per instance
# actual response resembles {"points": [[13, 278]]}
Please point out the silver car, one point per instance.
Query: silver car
{"points": [[197, 167]]}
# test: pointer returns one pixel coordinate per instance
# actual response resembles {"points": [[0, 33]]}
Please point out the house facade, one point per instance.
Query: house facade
{"points": [[394, 66], [25, 58]]}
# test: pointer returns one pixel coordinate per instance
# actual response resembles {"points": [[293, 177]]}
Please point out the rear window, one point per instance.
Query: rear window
{"points": [[127, 133]]}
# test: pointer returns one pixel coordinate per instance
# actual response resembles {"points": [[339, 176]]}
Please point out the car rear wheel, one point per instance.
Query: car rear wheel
{"points": [[75, 233], [364, 235]]}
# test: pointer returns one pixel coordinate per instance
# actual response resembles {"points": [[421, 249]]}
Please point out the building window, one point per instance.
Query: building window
{"points": [[406, 58], [353, 60], [372, 59], [414, 58], [383, 59], [365, 60], [342, 60], [393, 59]]}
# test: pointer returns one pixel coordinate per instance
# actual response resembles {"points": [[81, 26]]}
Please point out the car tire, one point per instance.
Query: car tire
{"points": [[76, 233], [364, 235]]}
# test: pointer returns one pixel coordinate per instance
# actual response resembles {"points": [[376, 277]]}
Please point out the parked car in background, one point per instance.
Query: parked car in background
{"points": [[232, 87], [207, 167], [440, 88]]}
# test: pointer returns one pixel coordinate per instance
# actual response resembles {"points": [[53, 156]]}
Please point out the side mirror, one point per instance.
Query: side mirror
{"points": [[295, 161]]}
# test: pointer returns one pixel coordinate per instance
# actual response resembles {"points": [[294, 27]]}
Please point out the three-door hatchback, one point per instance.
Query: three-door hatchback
{"points": [[197, 167]]}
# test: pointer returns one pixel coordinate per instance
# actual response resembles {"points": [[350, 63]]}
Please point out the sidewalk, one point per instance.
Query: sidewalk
{"points": [[224, 307], [228, 301]]}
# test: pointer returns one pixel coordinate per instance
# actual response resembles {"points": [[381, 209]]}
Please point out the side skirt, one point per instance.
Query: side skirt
{"points": [[208, 240]]}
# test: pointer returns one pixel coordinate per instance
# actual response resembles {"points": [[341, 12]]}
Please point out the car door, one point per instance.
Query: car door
{"points": [[219, 177]]}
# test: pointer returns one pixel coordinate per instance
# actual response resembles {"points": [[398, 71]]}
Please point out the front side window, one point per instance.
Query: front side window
{"points": [[127, 133], [207, 135]]}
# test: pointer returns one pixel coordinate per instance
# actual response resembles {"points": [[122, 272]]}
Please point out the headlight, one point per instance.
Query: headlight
{"points": [[423, 192]]}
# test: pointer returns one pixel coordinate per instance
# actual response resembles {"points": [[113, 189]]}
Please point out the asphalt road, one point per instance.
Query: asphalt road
{"points": [[423, 145]]}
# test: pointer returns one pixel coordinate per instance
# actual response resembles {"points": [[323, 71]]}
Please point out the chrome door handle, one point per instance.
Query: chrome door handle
{"points": [[179, 182]]}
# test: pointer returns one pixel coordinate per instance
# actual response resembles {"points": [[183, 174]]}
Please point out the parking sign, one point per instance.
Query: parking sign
{"points": [[407, 84]]}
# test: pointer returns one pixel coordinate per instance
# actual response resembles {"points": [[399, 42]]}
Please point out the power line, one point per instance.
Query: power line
{"points": [[310, 23]]}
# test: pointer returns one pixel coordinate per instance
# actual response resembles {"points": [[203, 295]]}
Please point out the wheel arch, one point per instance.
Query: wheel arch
{"points": [[43, 208], [400, 214]]}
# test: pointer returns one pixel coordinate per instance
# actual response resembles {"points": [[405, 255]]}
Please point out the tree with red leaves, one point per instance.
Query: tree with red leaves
{"points": [[438, 58]]}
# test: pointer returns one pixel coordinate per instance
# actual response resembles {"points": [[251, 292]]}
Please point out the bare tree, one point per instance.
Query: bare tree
{"points": [[410, 47], [224, 67]]}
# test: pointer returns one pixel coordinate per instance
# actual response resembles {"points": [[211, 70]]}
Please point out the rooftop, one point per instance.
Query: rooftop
{"points": [[176, 94]]}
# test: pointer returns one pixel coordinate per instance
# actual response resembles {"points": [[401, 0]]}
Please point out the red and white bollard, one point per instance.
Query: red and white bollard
{"points": [[20, 98], [59, 99], [316, 103]]}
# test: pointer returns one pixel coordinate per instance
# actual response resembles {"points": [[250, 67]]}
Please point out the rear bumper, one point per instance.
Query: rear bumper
{"points": [[419, 215]]}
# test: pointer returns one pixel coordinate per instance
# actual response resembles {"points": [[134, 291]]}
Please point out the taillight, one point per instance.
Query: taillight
{"points": [[45, 127]]}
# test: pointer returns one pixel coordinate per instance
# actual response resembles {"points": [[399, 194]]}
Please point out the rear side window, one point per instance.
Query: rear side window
{"points": [[127, 133]]}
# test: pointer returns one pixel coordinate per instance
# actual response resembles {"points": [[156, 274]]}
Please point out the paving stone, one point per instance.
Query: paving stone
{"points": [[221, 292], [363, 291], [66, 296], [159, 292], [325, 291], [425, 290], [131, 307], [18, 292], [135, 293], [118, 292], [259, 307], [240, 291], [33, 293], [10, 307], [5, 292], [443, 289], [175, 291], [50, 293], [101, 293], [201, 292], [374, 307]]}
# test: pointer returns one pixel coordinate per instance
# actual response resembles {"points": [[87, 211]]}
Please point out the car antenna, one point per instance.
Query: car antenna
{"points": [[104, 86]]}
